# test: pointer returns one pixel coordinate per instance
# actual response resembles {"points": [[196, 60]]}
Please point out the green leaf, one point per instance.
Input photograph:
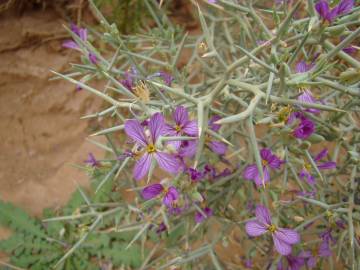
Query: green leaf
{"points": [[119, 255], [18, 220]]}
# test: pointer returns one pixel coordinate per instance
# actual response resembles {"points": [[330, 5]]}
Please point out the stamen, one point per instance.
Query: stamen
{"points": [[272, 228], [178, 128], [264, 162], [150, 148], [307, 166]]}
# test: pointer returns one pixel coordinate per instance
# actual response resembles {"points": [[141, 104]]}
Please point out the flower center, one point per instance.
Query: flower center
{"points": [[150, 148], [328, 214], [284, 114], [178, 128], [264, 162], [272, 228], [307, 166]]}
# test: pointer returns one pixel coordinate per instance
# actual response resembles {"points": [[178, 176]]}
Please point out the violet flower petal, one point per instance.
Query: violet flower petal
{"points": [[263, 215], [322, 8], [93, 59], [304, 129], [70, 45], [83, 34], [75, 29], [171, 196], [324, 249], [281, 247], [255, 228], [181, 115], [167, 162], [323, 153], [302, 67], [199, 217], [327, 165], [212, 125], [288, 236], [191, 128], [332, 14], [350, 50], [307, 97], [311, 263], [345, 6], [189, 150], [142, 166], [265, 154], [308, 177], [92, 160], [135, 131], [250, 172], [152, 191], [274, 162], [166, 77], [258, 181], [218, 147], [156, 126]]}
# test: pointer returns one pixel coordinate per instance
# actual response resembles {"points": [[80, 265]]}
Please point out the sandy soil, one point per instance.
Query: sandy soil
{"points": [[40, 129]]}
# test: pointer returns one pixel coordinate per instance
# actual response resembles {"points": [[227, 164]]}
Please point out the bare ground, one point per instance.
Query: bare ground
{"points": [[40, 128]]}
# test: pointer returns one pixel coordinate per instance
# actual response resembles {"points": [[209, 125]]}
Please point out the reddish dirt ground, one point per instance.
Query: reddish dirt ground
{"points": [[41, 132]]}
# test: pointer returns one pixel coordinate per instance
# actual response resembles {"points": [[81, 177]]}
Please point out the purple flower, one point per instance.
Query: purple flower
{"points": [[302, 66], [248, 263], [129, 81], [293, 263], [80, 32], [166, 77], [327, 236], [216, 146], [345, 6], [161, 228], [283, 238], [350, 50], [93, 59], [322, 8], [323, 251], [305, 128], [263, 42], [195, 175], [183, 125], [328, 165], [199, 217], [223, 173], [310, 194], [189, 149], [307, 97], [269, 161], [149, 151], [78, 88], [327, 14], [92, 161], [212, 1], [210, 170], [170, 195]]}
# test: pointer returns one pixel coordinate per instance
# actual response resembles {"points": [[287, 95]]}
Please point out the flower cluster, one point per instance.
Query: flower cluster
{"points": [[82, 33], [261, 116], [330, 14], [151, 147], [283, 238]]}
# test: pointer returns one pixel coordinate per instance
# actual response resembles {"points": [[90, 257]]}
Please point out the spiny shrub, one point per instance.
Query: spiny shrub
{"points": [[233, 147]]}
